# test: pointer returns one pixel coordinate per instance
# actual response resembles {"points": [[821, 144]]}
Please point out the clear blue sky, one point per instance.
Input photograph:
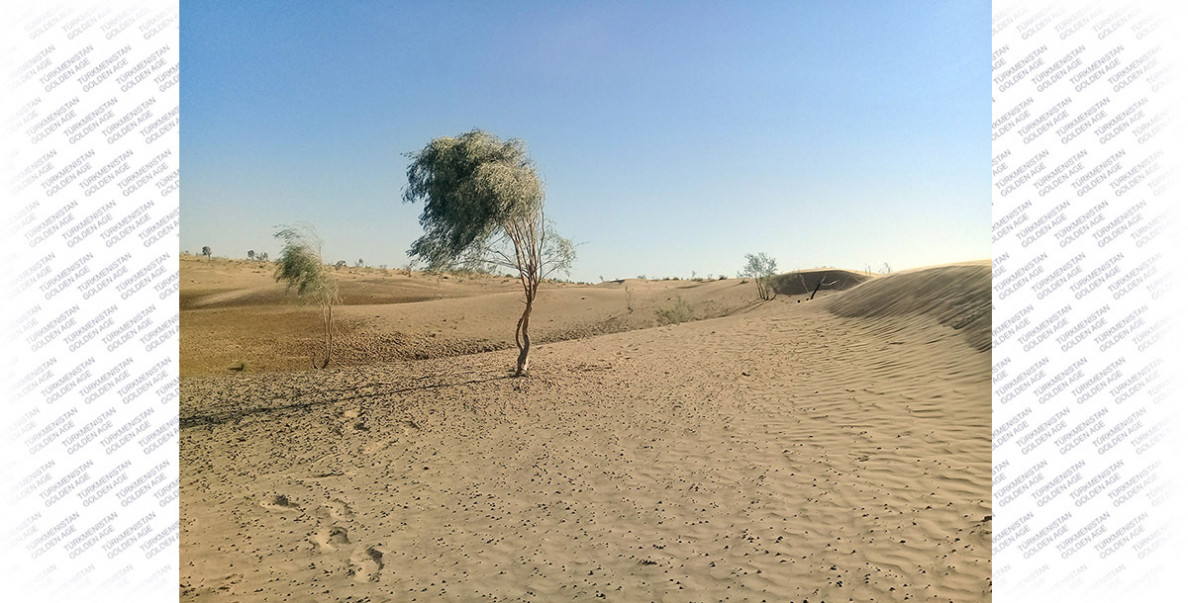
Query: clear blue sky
{"points": [[671, 136]]}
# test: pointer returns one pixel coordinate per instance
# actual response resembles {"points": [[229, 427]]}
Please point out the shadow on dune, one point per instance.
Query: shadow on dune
{"points": [[805, 281]]}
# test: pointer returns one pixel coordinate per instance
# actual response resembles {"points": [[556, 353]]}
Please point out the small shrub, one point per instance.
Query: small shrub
{"points": [[680, 311], [761, 268]]}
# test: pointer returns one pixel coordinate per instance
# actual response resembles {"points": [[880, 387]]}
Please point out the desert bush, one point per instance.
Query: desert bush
{"points": [[300, 267], [677, 312], [761, 268], [206, 251]]}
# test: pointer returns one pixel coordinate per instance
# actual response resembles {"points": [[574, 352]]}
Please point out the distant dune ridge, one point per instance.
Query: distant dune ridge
{"points": [[830, 450]]}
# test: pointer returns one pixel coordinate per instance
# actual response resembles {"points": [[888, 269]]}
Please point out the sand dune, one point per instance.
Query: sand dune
{"points": [[829, 450], [955, 295], [806, 282]]}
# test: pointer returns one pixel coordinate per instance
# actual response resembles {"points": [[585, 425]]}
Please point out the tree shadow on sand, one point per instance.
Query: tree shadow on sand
{"points": [[318, 398]]}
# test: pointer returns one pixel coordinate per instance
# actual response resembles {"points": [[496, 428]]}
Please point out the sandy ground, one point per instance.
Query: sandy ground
{"points": [[830, 450]]}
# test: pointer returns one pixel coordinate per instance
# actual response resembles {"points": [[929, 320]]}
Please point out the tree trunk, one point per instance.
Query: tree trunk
{"points": [[329, 334], [522, 340]]}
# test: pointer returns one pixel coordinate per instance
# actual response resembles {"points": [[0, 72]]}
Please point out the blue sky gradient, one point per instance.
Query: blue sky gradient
{"points": [[671, 137]]}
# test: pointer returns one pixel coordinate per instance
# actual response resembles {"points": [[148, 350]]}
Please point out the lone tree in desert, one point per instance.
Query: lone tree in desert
{"points": [[206, 251], [484, 209], [761, 269], [300, 267]]}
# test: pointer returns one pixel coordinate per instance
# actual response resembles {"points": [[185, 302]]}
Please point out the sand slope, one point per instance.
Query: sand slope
{"points": [[831, 450], [956, 295]]}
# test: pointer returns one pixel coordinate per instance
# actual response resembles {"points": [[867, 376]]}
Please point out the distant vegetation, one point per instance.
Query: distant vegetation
{"points": [[300, 267], [483, 208], [206, 251]]}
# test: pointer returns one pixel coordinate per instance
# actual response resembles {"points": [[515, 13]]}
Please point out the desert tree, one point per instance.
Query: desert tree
{"points": [[340, 264], [206, 251], [484, 209], [300, 267], [760, 268], [263, 257], [251, 254], [359, 263]]}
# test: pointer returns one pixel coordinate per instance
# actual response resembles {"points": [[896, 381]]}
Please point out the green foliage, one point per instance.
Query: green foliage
{"points": [[679, 311], [471, 186], [762, 268], [300, 266]]}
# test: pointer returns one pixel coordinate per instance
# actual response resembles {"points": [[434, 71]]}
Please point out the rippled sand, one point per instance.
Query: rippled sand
{"points": [[828, 450]]}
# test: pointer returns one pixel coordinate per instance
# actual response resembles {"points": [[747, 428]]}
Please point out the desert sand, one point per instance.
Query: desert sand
{"points": [[828, 450]]}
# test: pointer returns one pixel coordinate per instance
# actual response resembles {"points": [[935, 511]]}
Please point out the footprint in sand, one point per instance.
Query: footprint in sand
{"points": [[336, 509], [366, 564], [330, 539]]}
